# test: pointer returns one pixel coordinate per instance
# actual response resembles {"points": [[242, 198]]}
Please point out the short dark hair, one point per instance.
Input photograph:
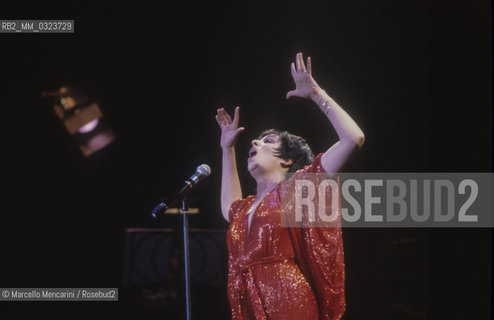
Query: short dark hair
{"points": [[293, 148]]}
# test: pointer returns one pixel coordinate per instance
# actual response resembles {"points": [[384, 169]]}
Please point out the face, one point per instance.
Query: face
{"points": [[262, 155]]}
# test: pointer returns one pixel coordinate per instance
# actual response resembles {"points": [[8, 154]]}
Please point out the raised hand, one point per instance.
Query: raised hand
{"points": [[229, 127], [305, 85]]}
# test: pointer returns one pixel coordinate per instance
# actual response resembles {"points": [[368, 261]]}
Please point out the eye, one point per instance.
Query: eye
{"points": [[269, 140]]}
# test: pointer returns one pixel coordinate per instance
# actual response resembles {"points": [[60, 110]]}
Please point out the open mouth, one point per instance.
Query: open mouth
{"points": [[252, 152]]}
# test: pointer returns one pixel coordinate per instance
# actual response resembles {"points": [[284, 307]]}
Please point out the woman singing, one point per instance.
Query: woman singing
{"points": [[275, 272]]}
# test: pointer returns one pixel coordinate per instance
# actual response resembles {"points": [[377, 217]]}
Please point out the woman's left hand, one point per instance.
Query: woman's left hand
{"points": [[305, 86]]}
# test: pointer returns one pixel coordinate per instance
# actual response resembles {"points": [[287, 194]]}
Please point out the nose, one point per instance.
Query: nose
{"points": [[255, 143]]}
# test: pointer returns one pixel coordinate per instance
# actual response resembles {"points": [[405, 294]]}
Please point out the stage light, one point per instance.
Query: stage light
{"points": [[82, 118], [89, 126], [74, 108], [96, 142]]}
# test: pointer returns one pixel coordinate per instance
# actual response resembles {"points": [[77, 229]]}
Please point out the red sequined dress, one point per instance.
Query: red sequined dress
{"points": [[284, 273]]}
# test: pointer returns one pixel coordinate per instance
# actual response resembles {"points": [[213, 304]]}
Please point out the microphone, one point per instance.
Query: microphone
{"points": [[202, 172]]}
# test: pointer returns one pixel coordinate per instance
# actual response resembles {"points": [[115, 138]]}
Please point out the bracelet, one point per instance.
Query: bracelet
{"points": [[323, 104], [325, 107]]}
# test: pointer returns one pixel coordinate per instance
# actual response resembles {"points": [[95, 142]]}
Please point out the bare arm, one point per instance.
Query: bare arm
{"points": [[230, 183], [351, 136]]}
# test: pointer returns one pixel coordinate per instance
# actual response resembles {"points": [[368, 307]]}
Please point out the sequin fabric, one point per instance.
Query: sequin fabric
{"points": [[283, 273]]}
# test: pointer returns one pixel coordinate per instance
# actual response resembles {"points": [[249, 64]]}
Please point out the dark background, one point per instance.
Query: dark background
{"points": [[416, 76]]}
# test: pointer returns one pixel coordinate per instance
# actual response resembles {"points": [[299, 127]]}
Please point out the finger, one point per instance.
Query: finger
{"points": [[227, 116], [309, 66], [236, 116], [290, 94], [221, 117], [301, 61], [297, 60], [219, 121], [237, 132], [292, 69], [224, 117]]}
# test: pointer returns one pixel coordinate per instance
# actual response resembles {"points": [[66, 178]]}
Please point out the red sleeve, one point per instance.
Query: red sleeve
{"points": [[314, 167], [319, 250], [235, 209], [321, 259]]}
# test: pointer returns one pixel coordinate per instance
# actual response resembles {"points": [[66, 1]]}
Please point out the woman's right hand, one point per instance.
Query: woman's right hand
{"points": [[229, 127]]}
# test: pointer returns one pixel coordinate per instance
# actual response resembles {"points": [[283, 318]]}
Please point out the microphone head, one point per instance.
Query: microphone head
{"points": [[204, 171]]}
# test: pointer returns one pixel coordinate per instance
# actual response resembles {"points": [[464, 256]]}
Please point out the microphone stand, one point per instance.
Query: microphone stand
{"points": [[202, 172], [185, 224], [184, 209]]}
